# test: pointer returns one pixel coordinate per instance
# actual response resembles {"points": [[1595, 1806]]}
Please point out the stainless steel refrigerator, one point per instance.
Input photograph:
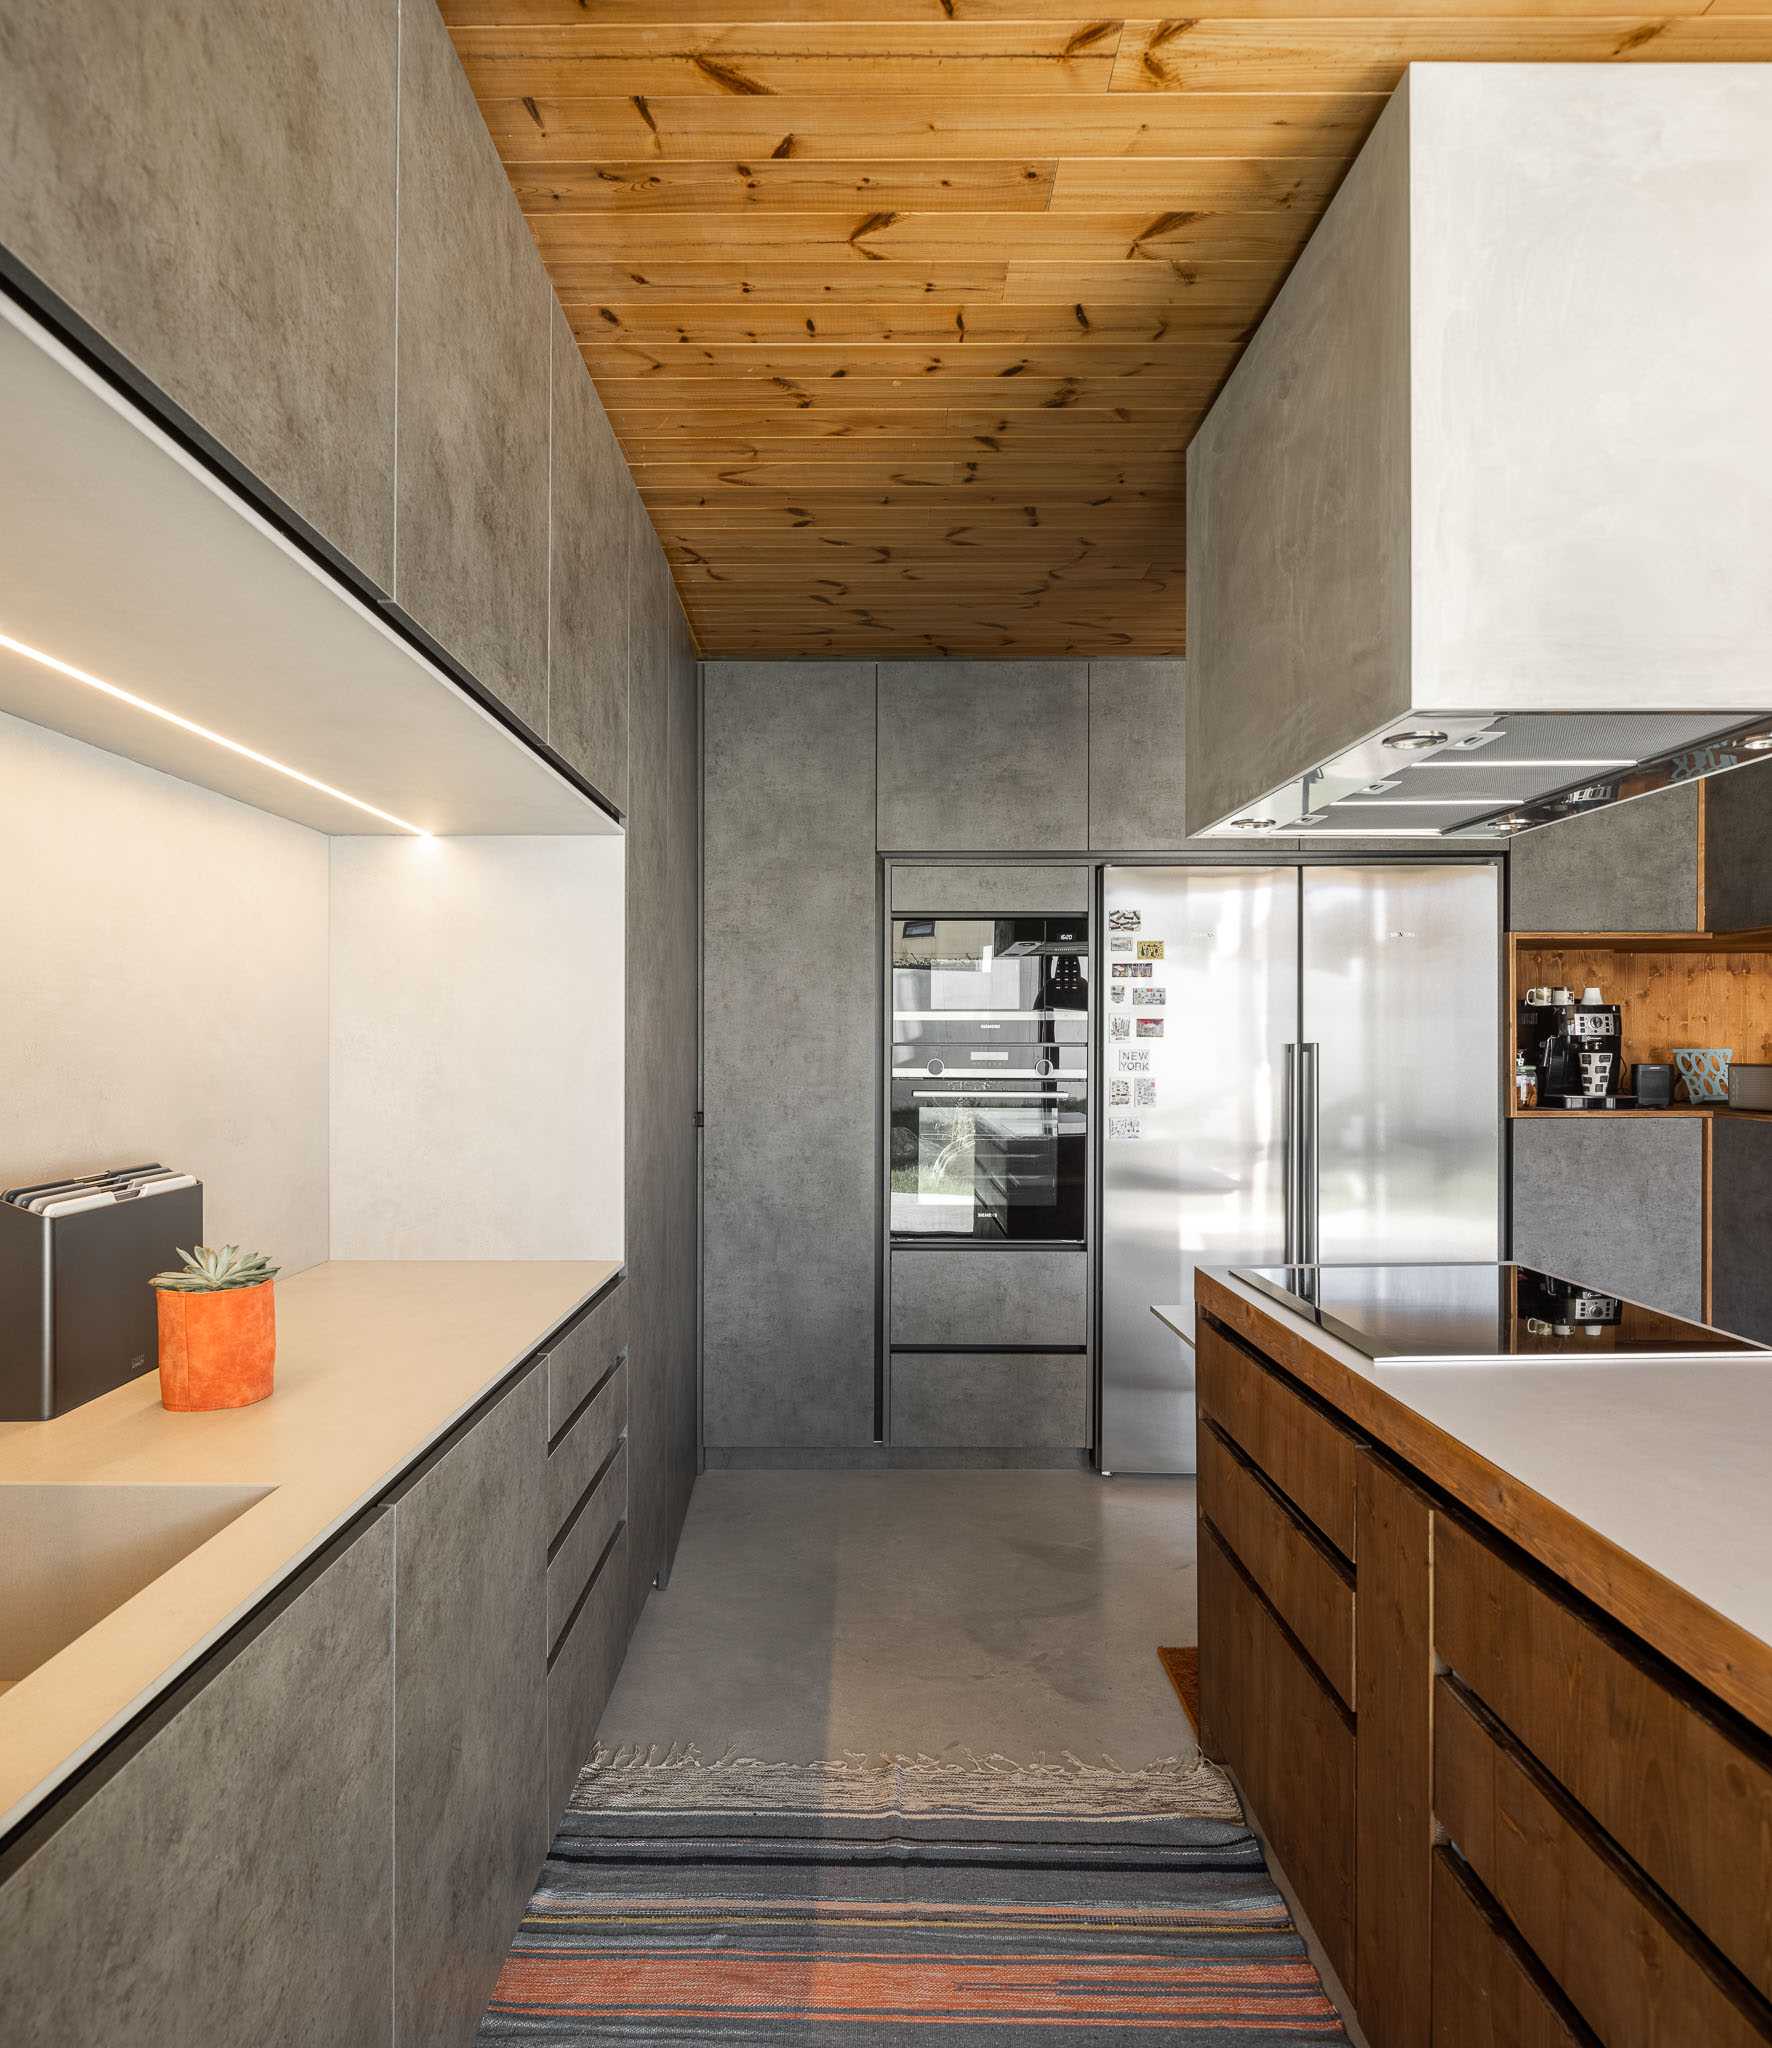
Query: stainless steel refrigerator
{"points": [[1299, 1065]]}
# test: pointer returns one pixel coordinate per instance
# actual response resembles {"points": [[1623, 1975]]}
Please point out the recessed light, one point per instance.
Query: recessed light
{"points": [[204, 732], [1416, 740], [1757, 743], [1254, 824]]}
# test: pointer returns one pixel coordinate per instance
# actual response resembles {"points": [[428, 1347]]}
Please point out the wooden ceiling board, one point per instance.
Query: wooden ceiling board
{"points": [[904, 311]]}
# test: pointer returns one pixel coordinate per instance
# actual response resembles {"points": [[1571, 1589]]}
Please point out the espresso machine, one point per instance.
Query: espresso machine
{"points": [[1576, 1049]]}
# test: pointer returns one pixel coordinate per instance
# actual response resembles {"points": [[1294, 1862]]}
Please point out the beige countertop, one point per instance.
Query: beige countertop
{"points": [[1640, 1480], [375, 1362]]}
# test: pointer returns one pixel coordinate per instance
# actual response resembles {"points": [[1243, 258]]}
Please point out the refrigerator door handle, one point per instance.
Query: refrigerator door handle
{"points": [[1308, 1152], [1289, 1127]]}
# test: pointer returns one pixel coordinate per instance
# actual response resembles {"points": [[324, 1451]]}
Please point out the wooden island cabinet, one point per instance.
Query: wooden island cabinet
{"points": [[1519, 1776]]}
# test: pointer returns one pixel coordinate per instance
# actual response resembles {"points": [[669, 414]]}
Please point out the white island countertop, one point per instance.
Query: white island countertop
{"points": [[376, 1361], [1641, 1480]]}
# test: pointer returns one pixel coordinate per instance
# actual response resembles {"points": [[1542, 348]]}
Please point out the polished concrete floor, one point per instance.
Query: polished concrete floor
{"points": [[821, 1614]]}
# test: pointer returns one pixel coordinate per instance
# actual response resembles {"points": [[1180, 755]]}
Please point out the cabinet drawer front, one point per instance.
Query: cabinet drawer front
{"points": [[1266, 1713], [1625, 1967], [1023, 1400], [585, 1354], [583, 1451], [1674, 1788], [586, 1538], [1306, 1586], [1308, 1457], [1486, 1994], [996, 1297], [582, 1672]]}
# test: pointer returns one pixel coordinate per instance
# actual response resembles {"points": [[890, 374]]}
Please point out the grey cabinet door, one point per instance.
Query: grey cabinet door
{"points": [[1136, 790], [471, 1821], [979, 1400], [1630, 868], [1615, 1202], [212, 189], [792, 1075], [1741, 1226], [660, 1167], [471, 546], [590, 525], [983, 756], [1003, 1295], [231, 1880], [1738, 850]]}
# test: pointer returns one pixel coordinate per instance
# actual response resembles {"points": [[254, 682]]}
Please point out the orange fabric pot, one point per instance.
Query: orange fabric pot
{"points": [[217, 1350]]}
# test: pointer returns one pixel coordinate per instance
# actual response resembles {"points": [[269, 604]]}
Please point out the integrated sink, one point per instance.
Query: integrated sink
{"points": [[75, 1553]]}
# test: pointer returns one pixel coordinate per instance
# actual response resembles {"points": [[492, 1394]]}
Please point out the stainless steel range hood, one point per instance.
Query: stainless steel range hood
{"points": [[1480, 528]]}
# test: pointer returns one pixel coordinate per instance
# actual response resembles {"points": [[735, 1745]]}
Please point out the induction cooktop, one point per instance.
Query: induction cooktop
{"points": [[1478, 1311]]}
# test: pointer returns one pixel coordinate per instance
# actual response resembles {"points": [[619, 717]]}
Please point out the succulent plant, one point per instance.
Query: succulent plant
{"points": [[208, 1271]]}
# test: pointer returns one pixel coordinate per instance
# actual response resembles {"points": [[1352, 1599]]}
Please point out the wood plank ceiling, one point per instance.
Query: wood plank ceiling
{"points": [[905, 310]]}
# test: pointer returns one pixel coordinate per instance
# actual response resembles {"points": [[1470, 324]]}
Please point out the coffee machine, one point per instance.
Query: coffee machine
{"points": [[1575, 1047]]}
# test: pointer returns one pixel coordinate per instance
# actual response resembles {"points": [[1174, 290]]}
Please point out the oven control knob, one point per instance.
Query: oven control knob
{"points": [[1042, 1068], [938, 1066]]}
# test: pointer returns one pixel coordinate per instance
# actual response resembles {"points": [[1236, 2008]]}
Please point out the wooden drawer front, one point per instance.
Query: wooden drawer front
{"points": [[1306, 1455], [584, 1450], [583, 1671], [1625, 1966], [585, 1354], [577, 1551], [1306, 1584], [1486, 1993], [1674, 1789], [1266, 1714]]}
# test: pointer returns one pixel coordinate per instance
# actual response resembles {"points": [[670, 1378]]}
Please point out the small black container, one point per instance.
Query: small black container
{"points": [[1654, 1086]]}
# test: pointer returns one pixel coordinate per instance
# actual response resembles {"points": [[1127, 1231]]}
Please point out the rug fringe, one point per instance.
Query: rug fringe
{"points": [[1171, 1785]]}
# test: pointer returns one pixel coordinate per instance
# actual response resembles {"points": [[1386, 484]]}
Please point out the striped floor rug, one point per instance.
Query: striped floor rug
{"points": [[874, 1903]]}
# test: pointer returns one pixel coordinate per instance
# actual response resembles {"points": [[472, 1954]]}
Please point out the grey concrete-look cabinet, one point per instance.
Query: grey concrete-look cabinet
{"points": [[983, 756], [1007, 1401], [792, 981], [978, 890], [1738, 850], [231, 1880], [1741, 1226], [471, 546], [661, 1151], [212, 189], [1630, 868], [1005, 1294], [1615, 1202], [471, 1817], [590, 529], [1136, 792]]}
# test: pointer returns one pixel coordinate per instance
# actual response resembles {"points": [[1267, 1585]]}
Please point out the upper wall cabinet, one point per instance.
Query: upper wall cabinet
{"points": [[475, 333], [983, 756], [1630, 868], [212, 189], [589, 531], [1738, 851], [1135, 755]]}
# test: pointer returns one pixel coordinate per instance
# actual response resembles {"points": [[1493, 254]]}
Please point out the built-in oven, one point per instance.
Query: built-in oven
{"points": [[989, 1037]]}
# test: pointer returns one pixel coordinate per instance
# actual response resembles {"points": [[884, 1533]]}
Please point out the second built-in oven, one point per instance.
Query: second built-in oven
{"points": [[989, 1037]]}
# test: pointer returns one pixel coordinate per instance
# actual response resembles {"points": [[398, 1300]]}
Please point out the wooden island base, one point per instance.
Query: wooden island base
{"points": [[1511, 1818]]}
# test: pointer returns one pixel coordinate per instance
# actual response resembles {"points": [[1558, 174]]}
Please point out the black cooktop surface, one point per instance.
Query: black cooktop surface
{"points": [[1477, 1311]]}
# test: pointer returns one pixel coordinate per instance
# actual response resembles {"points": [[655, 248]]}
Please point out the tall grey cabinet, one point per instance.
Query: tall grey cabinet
{"points": [[792, 978]]}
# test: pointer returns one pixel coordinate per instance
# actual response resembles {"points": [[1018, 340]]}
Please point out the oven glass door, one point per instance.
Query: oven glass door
{"points": [[990, 1117]]}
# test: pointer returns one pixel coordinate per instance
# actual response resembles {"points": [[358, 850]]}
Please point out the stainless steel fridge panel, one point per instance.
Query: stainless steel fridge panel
{"points": [[1194, 1158], [1401, 973]]}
